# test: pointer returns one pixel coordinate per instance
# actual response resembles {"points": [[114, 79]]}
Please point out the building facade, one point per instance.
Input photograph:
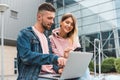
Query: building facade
{"points": [[21, 14], [96, 19]]}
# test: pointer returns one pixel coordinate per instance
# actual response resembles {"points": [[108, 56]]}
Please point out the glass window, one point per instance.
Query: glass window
{"points": [[107, 34], [95, 19], [14, 14], [15, 66]]}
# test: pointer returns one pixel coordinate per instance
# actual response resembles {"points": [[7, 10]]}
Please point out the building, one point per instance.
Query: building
{"points": [[21, 13], [97, 19]]}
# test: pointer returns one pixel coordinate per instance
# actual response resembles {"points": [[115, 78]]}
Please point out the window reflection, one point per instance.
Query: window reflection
{"points": [[96, 19]]}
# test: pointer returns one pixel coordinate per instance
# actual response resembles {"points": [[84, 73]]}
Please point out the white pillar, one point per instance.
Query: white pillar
{"points": [[116, 39], [3, 8]]}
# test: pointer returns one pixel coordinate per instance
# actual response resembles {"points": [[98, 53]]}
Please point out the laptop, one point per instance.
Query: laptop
{"points": [[75, 67]]}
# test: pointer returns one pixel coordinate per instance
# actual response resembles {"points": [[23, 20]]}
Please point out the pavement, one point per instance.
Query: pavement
{"points": [[9, 77], [108, 76]]}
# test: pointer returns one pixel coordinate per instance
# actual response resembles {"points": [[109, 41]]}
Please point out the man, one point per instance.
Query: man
{"points": [[32, 45]]}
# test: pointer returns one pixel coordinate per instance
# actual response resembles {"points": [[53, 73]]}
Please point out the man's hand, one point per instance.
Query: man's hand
{"points": [[60, 70], [61, 61]]}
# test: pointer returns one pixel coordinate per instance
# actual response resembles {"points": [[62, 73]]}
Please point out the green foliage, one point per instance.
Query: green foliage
{"points": [[117, 65], [108, 65], [91, 66]]}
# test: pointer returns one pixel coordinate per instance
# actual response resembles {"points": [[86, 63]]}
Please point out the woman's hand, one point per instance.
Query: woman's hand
{"points": [[66, 52]]}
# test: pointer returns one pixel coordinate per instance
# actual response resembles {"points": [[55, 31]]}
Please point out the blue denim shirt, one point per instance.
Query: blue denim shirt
{"points": [[30, 56]]}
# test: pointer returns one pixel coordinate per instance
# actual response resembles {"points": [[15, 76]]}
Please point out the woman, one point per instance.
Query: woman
{"points": [[65, 39]]}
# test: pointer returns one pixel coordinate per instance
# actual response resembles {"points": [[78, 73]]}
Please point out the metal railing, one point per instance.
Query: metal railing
{"points": [[97, 47]]}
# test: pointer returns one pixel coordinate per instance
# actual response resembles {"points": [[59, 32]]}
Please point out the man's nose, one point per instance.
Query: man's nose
{"points": [[52, 21]]}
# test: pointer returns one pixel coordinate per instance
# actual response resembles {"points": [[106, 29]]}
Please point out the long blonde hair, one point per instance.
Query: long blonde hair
{"points": [[72, 34]]}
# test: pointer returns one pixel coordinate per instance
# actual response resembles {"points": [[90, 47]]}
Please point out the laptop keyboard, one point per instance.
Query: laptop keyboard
{"points": [[57, 76]]}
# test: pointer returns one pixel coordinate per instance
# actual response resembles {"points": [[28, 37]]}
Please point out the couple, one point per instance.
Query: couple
{"points": [[35, 55]]}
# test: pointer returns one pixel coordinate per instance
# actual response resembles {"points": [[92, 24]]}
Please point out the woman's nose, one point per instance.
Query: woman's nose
{"points": [[69, 25]]}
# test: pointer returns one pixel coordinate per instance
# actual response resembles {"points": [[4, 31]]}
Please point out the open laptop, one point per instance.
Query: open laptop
{"points": [[75, 67]]}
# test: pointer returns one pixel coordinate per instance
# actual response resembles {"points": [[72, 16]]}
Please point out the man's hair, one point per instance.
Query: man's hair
{"points": [[46, 7]]}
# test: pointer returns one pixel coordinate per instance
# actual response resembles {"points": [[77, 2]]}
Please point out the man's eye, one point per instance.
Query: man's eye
{"points": [[50, 18]]}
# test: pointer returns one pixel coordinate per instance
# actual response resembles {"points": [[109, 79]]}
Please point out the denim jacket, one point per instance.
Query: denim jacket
{"points": [[30, 56]]}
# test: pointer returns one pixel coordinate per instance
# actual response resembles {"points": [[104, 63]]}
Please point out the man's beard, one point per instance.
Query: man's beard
{"points": [[45, 27]]}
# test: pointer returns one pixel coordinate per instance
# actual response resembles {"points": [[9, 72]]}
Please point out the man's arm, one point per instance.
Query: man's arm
{"points": [[28, 56]]}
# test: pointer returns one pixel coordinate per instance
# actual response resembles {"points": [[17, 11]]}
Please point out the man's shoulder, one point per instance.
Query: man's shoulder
{"points": [[27, 28], [26, 31]]}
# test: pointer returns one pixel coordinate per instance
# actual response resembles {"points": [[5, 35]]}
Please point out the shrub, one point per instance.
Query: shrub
{"points": [[91, 65], [117, 65], [108, 65]]}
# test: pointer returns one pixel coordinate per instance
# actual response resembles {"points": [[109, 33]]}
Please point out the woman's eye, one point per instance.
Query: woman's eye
{"points": [[67, 22]]}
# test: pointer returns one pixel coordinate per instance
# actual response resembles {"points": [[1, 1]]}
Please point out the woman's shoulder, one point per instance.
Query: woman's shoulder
{"points": [[54, 33], [51, 36]]}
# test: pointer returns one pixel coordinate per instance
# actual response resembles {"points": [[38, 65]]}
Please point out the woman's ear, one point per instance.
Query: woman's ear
{"points": [[60, 24]]}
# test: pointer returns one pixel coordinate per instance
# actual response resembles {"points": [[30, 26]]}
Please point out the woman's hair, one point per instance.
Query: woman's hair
{"points": [[46, 7], [72, 34]]}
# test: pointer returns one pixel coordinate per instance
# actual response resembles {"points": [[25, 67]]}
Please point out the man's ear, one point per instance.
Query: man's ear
{"points": [[38, 15]]}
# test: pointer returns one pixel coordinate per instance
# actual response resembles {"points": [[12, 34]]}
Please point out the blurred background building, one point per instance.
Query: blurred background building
{"points": [[96, 19]]}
